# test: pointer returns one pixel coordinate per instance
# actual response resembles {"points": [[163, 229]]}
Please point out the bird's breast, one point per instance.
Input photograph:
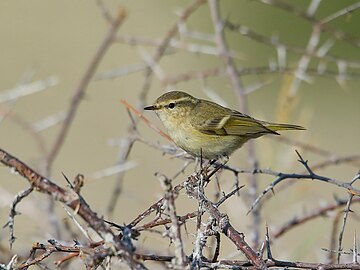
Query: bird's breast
{"points": [[197, 143]]}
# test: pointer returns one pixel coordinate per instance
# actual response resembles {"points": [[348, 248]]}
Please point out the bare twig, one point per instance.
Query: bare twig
{"points": [[105, 11], [164, 221], [227, 196], [111, 171], [19, 197], [320, 212], [55, 247], [310, 175], [28, 89], [153, 207], [346, 214], [80, 227], [341, 12], [48, 121]]}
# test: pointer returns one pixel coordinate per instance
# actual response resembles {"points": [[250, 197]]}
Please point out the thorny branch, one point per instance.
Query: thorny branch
{"points": [[69, 198], [301, 219], [224, 225], [22, 195], [310, 175]]}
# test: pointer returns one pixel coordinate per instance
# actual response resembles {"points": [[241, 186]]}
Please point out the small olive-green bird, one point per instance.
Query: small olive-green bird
{"points": [[207, 129]]}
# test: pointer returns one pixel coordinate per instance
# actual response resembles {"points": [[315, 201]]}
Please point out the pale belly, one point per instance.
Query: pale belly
{"points": [[208, 146]]}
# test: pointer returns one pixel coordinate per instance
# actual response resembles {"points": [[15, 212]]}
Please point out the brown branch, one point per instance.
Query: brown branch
{"points": [[69, 198], [161, 222], [55, 247]]}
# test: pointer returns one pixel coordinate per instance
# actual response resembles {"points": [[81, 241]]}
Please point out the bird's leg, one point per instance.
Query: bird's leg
{"points": [[201, 159], [204, 166]]}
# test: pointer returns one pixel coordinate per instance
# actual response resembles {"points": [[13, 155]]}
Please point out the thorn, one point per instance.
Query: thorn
{"points": [[301, 158], [67, 180], [267, 242]]}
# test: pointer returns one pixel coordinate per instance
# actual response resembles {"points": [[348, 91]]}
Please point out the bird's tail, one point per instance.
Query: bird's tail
{"points": [[275, 127]]}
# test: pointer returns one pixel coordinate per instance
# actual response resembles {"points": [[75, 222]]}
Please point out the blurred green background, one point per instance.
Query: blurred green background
{"points": [[59, 38]]}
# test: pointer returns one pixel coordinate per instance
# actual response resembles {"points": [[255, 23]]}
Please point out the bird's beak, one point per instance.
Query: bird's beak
{"points": [[151, 108]]}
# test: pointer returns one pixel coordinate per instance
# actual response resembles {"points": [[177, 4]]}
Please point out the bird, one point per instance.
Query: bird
{"points": [[206, 129]]}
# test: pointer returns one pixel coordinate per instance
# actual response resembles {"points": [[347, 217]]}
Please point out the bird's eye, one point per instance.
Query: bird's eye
{"points": [[171, 105]]}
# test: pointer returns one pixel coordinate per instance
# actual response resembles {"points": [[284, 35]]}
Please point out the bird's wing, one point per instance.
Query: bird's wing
{"points": [[235, 123]]}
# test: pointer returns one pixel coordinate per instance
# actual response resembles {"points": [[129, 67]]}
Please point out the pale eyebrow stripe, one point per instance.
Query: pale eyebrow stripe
{"points": [[181, 99]]}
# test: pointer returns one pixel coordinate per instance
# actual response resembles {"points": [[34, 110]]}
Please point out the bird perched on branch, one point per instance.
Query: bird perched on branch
{"points": [[207, 129]]}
